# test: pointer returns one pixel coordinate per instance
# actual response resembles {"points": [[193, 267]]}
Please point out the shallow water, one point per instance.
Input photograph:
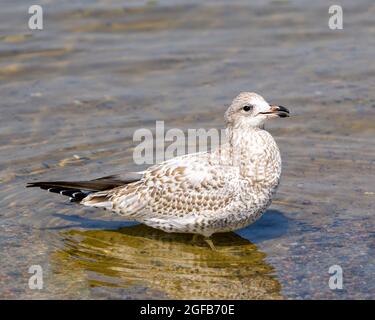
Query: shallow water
{"points": [[100, 70]]}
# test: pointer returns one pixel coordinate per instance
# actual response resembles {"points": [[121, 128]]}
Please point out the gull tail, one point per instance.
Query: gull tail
{"points": [[78, 190]]}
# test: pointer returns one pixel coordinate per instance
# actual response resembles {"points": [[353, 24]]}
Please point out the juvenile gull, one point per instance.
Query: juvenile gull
{"points": [[201, 193]]}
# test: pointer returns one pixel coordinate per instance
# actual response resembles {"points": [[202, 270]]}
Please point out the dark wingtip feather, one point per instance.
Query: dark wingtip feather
{"points": [[76, 195], [77, 190], [31, 184], [42, 185]]}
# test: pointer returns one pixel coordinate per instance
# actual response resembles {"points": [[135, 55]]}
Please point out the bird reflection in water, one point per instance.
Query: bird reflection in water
{"points": [[166, 265]]}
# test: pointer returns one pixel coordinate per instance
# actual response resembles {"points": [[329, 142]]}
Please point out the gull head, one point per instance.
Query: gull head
{"points": [[249, 109]]}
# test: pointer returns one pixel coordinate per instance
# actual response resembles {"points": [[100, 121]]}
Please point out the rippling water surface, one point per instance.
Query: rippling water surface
{"points": [[73, 94]]}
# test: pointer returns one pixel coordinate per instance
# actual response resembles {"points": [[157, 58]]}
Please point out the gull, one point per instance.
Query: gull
{"points": [[201, 193]]}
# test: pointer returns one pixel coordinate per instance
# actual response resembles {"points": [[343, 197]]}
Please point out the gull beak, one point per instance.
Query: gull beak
{"points": [[280, 111]]}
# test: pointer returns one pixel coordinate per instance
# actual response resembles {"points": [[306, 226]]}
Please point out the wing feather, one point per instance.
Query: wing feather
{"points": [[181, 187]]}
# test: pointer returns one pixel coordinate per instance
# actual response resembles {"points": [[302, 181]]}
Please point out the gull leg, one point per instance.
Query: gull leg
{"points": [[210, 243], [195, 237]]}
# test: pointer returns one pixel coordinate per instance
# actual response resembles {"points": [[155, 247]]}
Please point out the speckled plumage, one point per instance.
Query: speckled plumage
{"points": [[204, 193]]}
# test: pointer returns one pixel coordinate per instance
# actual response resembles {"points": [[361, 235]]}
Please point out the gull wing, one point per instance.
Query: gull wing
{"points": [[180, 187]]}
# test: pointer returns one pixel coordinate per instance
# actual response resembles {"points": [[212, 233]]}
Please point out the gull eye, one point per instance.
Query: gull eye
{"points": [[247, 108]]}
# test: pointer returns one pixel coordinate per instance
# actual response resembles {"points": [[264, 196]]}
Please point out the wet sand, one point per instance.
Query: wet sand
{"points": [[97, 72]]}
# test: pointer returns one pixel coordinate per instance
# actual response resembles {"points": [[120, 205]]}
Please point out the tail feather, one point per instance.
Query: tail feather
{"points": [[78, 190]]}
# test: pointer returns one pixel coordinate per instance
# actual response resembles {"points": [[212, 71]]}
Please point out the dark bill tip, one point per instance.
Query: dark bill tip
{"points": [[283, 109]]}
